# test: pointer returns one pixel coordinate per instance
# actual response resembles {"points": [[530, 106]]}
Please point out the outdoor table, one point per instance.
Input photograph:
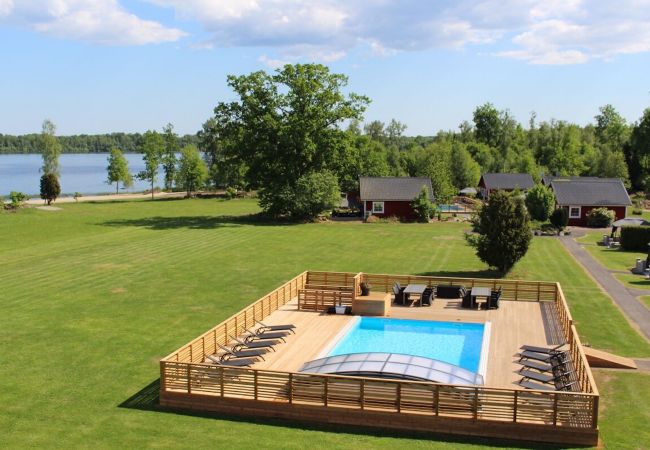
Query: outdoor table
{"points": [[480, 292], [415, 289]]}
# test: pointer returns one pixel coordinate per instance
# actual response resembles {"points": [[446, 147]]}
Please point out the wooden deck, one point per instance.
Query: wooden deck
{"points": [[513, 324]]}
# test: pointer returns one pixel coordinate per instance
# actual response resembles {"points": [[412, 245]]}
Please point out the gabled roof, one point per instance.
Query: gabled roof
{"points": [[548, 179], [590, 192], [393, 188], [507, 180]]}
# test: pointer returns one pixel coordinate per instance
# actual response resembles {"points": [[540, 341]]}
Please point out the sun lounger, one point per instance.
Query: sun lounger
{"points": [[285, 327], [253, 352], [238, 362], [547, 350], [543, 377], [544, 357], [559, 386], [257, 335], [268, 343]]}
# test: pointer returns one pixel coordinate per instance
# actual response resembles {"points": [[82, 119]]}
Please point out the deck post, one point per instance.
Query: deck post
{"points": [[514, 411], [189, 380], [290, 387], [436, 399], [163, 375], [594, 412], [399, 397], [554, 409], [475, 408], [221, 378], [255, 384], [362, 389], [325, 388]]}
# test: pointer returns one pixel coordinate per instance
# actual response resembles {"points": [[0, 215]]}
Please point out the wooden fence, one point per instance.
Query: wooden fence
{"points": [[183, 373]]}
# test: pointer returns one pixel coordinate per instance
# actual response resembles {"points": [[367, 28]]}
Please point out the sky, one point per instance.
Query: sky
{"points": [[96, 66]]}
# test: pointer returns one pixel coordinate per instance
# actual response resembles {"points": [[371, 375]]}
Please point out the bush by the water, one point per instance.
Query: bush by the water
{"points": [[17, 199], [635, 238], [600, 218]]}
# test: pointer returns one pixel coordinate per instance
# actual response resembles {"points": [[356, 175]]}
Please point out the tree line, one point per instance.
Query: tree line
{"points": [[83, 143]]}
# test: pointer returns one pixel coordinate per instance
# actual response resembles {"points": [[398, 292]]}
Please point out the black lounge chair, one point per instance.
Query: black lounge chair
{"points": [[240, 345], [542, 366], [546, 350], [257, 335], [285, 327], [544, 377], [247, 353], [238, 362], [544, 357], [559, 386]]}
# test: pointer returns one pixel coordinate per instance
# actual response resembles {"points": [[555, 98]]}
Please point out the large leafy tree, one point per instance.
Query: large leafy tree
{"points": [[152, 148], [286, 125], [192, 171], [168, 158], [540, 202], [465, 171], [118, 170], [637, 153], [504, 233], [50, 187], [50, 149]]}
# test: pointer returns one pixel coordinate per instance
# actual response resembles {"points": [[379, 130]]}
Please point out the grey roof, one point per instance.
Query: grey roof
{"points": [[393, 188], [393, 365], [631, 222], [548, 179], [508, 180], [599, 192]]}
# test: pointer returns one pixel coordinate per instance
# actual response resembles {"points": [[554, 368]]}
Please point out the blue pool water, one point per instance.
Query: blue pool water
{"points": [[452, 342], [449, 208]]}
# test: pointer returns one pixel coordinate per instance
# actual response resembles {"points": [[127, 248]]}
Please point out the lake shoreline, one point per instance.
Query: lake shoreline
{"points": [[109, 197]]}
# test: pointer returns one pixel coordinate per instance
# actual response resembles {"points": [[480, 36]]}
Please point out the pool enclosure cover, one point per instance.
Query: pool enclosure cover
{"points": [[393, 365]]}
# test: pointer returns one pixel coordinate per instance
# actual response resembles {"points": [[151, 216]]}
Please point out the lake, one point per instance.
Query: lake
{"points": [[84, 173]]}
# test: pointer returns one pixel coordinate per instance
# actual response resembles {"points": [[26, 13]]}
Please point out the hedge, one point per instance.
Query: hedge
{"points": [[635, 238]]}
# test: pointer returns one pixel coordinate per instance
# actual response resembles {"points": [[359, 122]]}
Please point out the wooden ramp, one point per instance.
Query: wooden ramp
{"points": [[599, 358]]}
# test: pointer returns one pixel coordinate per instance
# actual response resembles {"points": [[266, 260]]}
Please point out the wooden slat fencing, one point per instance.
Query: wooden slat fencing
{"points": [[183, 372], [469, 402], [206, 344]]}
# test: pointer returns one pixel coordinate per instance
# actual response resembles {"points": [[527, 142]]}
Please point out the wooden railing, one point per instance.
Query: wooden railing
{"points": [[477, 403], [206, 344], [321, 299], [184, 371]]}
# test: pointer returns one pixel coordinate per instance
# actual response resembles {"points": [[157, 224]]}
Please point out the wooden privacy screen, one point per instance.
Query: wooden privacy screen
{"points": [[188, 382]]}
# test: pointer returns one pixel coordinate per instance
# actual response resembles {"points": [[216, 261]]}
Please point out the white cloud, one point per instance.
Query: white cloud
{"points": [[103, 22]]}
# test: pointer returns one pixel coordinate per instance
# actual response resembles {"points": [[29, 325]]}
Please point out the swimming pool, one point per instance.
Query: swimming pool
{"points": [[449, 208], [455, 343]]}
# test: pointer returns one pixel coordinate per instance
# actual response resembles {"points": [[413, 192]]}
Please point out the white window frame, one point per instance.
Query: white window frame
{"points": [[375, 210], [571, 216]]}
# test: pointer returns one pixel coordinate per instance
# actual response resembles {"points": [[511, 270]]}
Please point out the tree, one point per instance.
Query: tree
{"points": [[436, 164], [503, 232], [540, 202], [637, 152], [169, 155], [375, 130], [152, 148], [560, 219], [315, 192], [394, 131], [422, 206], [192, 171], [487, 125], [50, 149], [50, 187], [118, 170], [285, 126], [465, 171]]}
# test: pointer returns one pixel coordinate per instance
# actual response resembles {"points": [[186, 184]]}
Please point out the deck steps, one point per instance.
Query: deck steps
{"points": [[600, 358]]}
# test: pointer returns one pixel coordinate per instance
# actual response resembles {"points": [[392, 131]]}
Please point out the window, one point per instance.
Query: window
{"points": [[574, 212], [378, 207]]}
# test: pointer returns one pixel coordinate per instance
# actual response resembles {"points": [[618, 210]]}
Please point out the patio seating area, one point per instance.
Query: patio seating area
{"points": [[531, 390]]}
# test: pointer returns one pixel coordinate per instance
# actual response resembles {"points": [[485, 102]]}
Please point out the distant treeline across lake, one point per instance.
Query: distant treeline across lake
{"points": [[83, 173], [82, 143]]}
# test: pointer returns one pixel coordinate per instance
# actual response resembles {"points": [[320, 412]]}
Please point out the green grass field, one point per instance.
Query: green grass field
{"points": [[95, 294]]}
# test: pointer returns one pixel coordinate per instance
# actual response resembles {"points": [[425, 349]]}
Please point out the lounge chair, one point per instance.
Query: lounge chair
{"points": [[559, 386], [248, 353], [545, 350], [544, 357], [544, 377], [239, 362], [542, 366], [285, 327], [269, 343], [257, 335]]}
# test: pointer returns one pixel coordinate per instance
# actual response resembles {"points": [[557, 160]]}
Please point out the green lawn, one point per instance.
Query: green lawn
{"points": [[93, 295]]}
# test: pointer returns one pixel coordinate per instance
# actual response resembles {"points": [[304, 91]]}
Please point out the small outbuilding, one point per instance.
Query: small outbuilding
{"points": [[580, 195], [392, 196], [490, 182]]}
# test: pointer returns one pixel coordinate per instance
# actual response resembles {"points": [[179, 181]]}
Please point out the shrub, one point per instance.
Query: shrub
{"points": [[635, 238], [231, 192], [17, 199], [315, 192], [50, 187], [423, 208], [2, 204], [77, 195], [637, 212], [600, 218], [560, 219], [539, 202]]}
